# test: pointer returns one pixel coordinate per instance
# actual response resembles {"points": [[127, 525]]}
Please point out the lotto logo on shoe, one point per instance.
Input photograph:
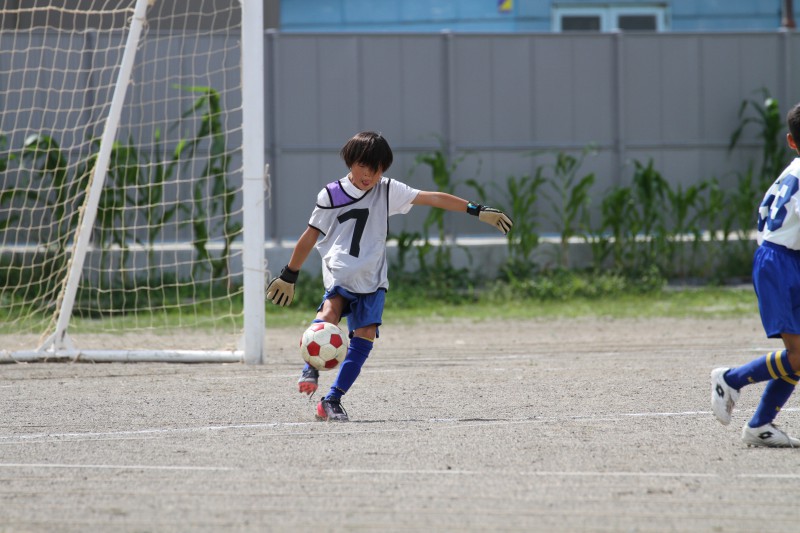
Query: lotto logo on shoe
{"points": [[723, 397]]}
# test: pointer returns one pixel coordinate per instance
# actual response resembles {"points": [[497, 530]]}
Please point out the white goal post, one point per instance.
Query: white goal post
{"points": [[134, 181]]}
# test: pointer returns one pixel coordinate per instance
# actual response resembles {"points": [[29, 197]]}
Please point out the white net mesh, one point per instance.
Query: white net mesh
{"points": [[165, 250]]}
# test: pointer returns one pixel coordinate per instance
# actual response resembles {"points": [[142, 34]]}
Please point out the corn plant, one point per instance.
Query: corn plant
{"points": [[633, 231], [763, 113], [742, 215], [46, 182], [614, 240], [214, 180], [50, 187], [134, 187], [442, 170], [405, 244], [767, 117], [56, 188], [518, 199], [684, 204], [4, 154], [713, 208], [160, 173], [7, 194], [650, 191], [568, 193]]}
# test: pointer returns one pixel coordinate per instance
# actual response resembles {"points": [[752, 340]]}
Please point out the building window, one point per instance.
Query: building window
{"points": [[580, 23], [612, 18], [637, 22]]}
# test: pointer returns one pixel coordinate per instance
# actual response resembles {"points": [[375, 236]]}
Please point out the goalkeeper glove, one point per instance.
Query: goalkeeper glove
{"points": [[490, 215], [281, 289]]}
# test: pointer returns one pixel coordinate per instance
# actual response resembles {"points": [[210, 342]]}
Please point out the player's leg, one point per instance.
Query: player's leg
{"points": [[777, 391], [774, 365], [357, 353], [330, 407], [792, 343], [760, 430], [364, 318], [330, 310], [776, 280]]}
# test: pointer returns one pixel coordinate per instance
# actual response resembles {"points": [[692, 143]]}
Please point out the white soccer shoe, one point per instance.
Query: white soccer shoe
{"points": [[723, 396], [769, 436]]}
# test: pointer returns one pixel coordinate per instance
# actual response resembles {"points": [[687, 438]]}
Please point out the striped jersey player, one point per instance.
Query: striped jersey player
{"points": [[349, 229], [776, 279]]}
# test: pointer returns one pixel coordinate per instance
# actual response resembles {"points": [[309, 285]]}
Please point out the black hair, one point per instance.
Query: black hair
{"points": [[370, 149], [793, 122]]}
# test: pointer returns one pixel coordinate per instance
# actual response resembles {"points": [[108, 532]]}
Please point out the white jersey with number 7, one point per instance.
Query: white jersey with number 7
{"points": [[355, 225]]}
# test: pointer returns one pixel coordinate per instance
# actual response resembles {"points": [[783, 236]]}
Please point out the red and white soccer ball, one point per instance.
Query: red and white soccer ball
{"points": [[323, 345]]}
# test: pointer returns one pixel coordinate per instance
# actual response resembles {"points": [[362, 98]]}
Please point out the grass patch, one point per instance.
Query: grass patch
{"points": [[406, 303], [695, 302]]}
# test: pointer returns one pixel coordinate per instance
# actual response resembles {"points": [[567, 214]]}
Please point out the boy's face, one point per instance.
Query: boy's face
{"points": [[363, 177]]}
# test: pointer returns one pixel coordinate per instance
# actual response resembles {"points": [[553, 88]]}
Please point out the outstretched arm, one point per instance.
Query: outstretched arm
{"points": [[281, 289], [442, 200], [489, 215], [303, 247]]}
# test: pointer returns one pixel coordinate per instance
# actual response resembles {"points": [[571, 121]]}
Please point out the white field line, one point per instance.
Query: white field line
{"points": [[140, 432], [454, 423], [407, 472], [526, 473], [561, 474], [111, 467]]}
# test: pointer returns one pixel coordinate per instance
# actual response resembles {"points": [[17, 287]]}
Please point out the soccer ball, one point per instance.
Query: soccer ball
{"points": [[323, 345]]}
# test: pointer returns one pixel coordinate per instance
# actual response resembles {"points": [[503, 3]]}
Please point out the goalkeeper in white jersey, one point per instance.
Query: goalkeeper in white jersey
{"points": [[349, 228], [776, 279]]}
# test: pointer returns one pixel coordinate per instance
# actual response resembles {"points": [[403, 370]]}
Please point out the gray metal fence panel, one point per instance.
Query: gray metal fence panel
{"points": [[672, 98]]}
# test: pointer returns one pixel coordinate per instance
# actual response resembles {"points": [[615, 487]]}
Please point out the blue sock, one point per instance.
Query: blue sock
{"points": [[775, 395], [774, 365], [357, 354]]}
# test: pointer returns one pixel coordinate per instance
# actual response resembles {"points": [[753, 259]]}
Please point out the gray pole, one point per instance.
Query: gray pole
{"points": [[787, 18]]}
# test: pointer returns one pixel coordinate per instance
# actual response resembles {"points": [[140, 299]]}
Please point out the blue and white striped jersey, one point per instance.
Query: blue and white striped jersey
{"points": [[779, 212]]}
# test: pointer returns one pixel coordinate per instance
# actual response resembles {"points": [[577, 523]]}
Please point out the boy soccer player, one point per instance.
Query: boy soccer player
{"points": [[776, 279], [349, 228]]}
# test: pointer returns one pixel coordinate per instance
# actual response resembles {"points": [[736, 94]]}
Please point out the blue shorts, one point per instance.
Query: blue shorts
{"points": [[361, 310], [776, 279]]}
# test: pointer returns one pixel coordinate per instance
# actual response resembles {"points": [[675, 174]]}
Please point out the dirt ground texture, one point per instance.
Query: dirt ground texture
{"points": [[542, 425]]}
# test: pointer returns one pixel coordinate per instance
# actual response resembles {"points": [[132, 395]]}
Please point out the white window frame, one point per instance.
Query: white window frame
{"points": [[609, 15], [599, 12]]}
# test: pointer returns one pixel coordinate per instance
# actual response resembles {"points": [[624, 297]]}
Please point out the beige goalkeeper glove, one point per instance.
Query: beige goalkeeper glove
{"points": [[281, 289], [490, 215]]}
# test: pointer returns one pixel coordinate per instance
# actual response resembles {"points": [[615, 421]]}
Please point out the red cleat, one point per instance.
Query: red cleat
{"points": [[307, 384], [331, 410]]}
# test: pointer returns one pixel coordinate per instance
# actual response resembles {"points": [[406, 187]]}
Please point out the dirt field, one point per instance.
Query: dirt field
{"points": [[547, 425]]}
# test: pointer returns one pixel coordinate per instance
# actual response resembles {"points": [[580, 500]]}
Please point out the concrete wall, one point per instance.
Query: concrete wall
{"points": [[673, 98]]}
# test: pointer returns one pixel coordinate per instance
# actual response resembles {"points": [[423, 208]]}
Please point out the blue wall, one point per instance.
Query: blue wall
{"points": [[524, 16]]}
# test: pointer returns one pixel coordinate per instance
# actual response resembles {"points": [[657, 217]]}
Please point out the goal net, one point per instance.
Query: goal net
{"points": [[133, 180]]}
